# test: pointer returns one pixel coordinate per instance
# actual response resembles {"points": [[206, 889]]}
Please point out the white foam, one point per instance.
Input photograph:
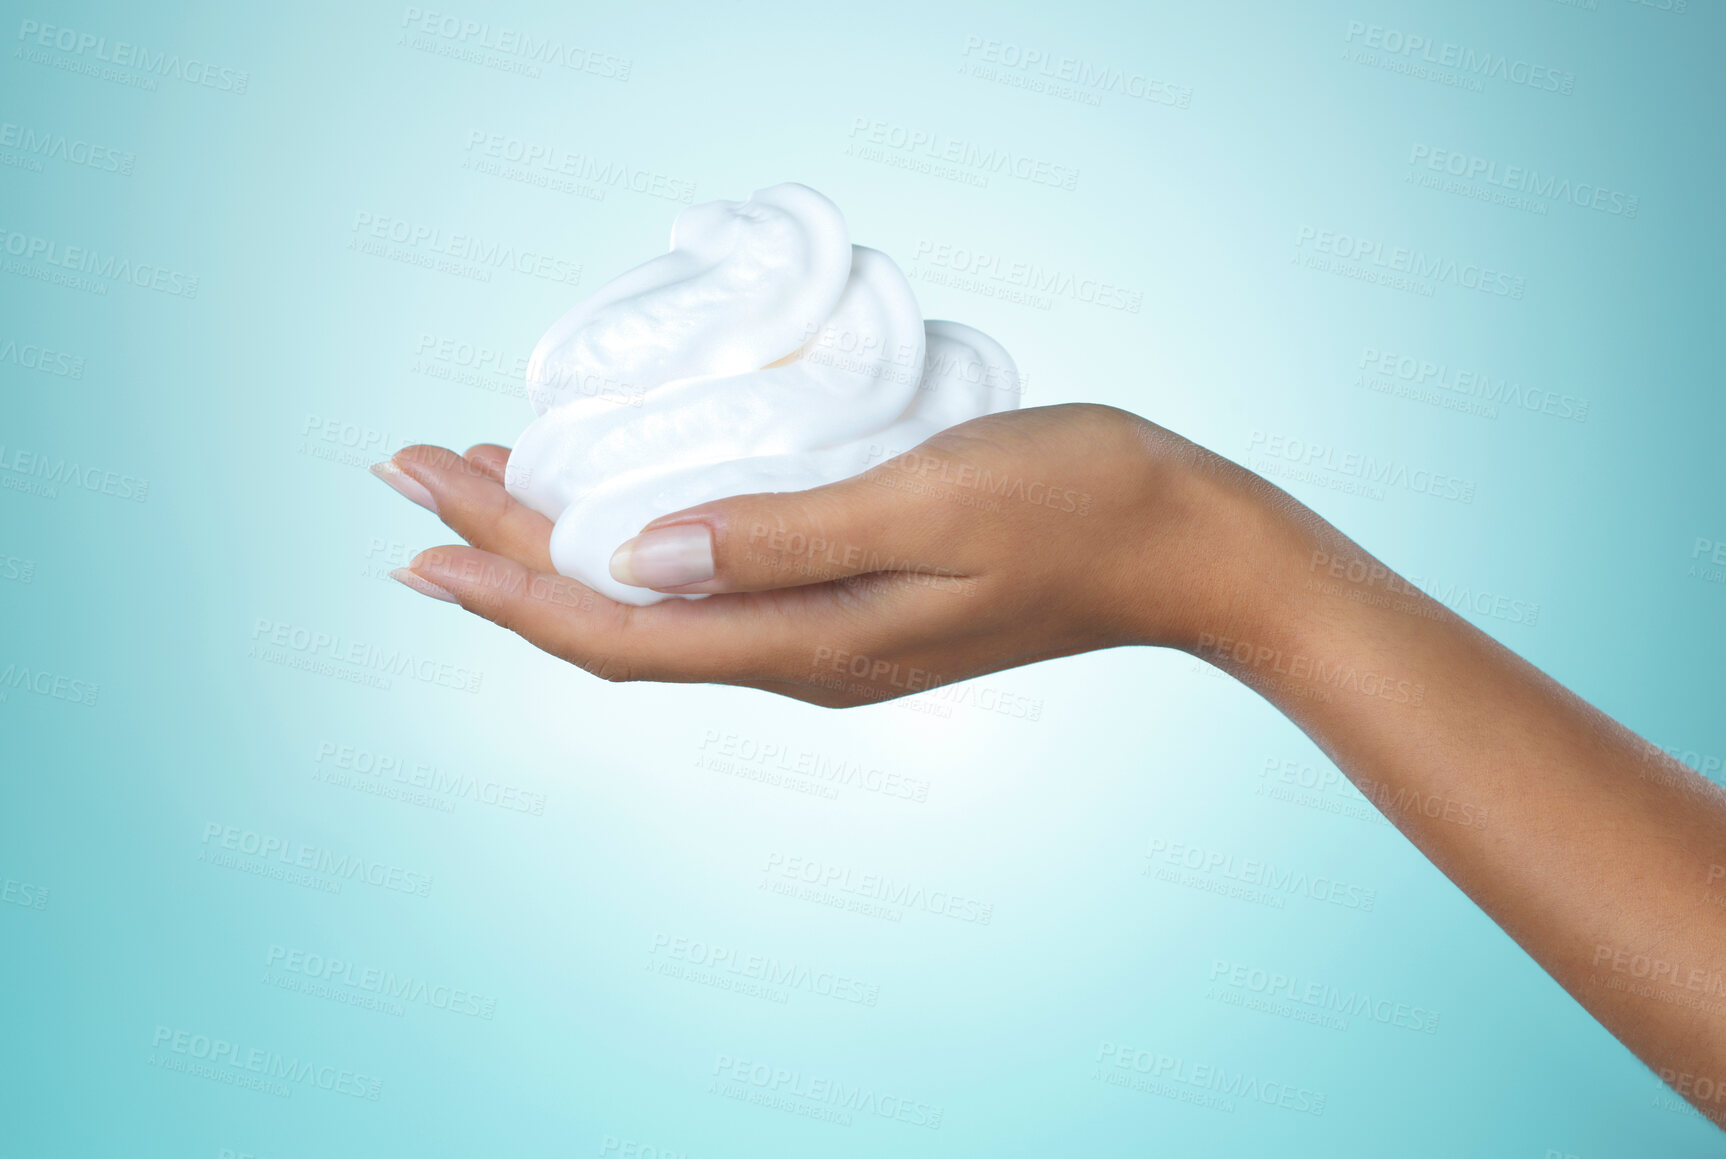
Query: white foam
{"points": [[770, 355]]}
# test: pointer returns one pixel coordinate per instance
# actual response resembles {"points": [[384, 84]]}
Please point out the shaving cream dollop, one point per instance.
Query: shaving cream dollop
{"points": [[764, 352]]}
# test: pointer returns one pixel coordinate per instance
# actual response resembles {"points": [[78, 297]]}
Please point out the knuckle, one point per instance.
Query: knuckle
{"points": [[499, 506]]}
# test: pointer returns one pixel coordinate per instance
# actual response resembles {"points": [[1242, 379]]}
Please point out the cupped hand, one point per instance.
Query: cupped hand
{"points": [[1005, 540]]}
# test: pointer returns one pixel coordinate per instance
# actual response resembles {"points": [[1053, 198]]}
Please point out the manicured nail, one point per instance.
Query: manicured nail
{"points": [[667, 557], [422, 585], [405, 483]]}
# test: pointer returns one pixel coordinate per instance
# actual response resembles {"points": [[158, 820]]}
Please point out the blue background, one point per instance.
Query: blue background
{"points": [[586, 844]]}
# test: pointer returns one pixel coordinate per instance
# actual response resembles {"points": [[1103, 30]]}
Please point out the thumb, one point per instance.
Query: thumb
{"points": [[784, 539]]}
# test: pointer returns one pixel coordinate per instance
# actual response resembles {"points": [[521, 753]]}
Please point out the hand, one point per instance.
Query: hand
{"points": [[1032, 534], [1003, 541]]}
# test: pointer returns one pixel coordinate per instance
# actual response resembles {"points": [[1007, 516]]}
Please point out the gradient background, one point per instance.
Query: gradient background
{"points": [[578, 830]]}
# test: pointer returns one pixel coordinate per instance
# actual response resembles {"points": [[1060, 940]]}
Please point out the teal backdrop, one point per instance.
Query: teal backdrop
{"points": [[299, 864]]}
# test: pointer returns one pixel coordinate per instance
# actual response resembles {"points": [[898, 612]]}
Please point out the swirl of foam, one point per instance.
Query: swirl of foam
{"points": [[770, 355]]}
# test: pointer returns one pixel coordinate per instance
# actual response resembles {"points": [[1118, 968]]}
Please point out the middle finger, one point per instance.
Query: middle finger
{"points": [[475, 505]]}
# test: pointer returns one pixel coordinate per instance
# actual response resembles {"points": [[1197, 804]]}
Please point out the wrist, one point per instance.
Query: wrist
{"points": [[1260, 595], [1302, 611], [1244, 564]]}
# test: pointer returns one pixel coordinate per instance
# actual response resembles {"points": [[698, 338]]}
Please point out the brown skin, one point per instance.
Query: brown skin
{"points": [[1040, 533]]}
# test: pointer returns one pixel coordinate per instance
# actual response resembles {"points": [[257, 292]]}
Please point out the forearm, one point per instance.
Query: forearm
{"points": [[1604, 858]]}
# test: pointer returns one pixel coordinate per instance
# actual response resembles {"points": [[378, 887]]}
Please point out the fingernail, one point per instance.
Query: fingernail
{"points": [[667, 557], [422, 585], [405, 483]]}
